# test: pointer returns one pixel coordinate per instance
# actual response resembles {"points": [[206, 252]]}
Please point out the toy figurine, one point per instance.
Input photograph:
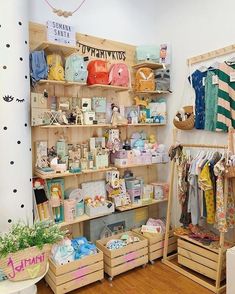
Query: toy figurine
{"points": [[117, 118], [140, 102]]}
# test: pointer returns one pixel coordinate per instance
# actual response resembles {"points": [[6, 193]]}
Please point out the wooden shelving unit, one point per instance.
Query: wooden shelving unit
{"points": [[100, 126], [68, 174], [157, 92], [63, 83], [137, 165], [109, 87], [151, 65], [134, 206], [55, 47]]}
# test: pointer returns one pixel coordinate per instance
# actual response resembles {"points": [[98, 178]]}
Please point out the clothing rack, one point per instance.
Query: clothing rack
{"points": [[211, 54], [168, 260]]}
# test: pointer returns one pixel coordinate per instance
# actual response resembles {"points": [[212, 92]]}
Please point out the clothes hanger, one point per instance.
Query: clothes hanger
{"points": [[202, 68]]}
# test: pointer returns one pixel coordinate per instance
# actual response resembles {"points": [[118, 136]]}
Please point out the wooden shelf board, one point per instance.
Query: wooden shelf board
{"points": [[68, 174], [137, 165], [151, 65], [80, 219], [55, 175], [52, 47], [134, 206], [109, 87], [99, 126], [75, 126], [41, 82], [157, 92], [64, 83]]}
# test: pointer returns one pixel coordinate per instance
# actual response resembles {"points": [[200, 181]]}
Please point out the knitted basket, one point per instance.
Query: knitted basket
{"points": [[187, 124], [26, 264]]}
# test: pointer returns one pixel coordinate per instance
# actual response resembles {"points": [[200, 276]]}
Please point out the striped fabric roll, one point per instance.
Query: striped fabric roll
{"points": [[226, 98]]}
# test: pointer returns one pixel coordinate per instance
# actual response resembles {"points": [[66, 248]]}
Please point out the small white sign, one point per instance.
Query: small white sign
{"points": [[61, 33], [215, 80], [232, 76]]}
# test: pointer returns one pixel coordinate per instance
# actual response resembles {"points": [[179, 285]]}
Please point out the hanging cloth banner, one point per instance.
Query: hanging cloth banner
{"points": [[101, 53]]}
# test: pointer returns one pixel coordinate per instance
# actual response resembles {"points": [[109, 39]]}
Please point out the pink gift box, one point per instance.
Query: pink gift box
{"points": [[146, 157]]}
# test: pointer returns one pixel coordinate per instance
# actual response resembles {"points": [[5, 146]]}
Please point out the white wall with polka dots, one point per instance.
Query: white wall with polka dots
{"points": [[15, 135]]}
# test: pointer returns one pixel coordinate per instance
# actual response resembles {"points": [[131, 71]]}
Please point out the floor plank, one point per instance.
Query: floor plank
{"points": [[154, 279]]}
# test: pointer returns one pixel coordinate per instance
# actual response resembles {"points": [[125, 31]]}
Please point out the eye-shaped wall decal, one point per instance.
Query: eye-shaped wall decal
{"points": [[8, 98], [20, 100]]}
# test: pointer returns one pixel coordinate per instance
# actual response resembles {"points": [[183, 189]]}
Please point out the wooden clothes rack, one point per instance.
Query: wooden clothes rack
{"points": [[211, 54], [169, 260]]}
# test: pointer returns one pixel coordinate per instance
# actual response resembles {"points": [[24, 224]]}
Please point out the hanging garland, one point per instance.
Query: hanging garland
{"points": [[64, 13]]}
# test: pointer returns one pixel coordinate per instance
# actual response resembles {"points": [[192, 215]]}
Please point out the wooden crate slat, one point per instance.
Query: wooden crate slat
{"points": [[184, 237], [153, 239], [123, 259], [125, 267], [197, 249], [198, 258], [159, 253], [76, 274], [160, 244], [51, 284], [63, 269], [197, 267], [85, 280]]}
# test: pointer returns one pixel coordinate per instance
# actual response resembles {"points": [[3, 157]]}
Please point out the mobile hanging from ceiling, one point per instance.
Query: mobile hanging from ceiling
{"points": [[64, 13]]}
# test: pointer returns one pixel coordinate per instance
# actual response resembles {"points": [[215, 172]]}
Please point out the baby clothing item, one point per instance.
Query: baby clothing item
{"points": [[211, 100], [193, 201], [226, 98], [62, 252], [206, 185], [198, 78], [82, 247]]}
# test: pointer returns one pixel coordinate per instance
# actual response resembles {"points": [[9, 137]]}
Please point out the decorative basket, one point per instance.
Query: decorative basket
{"points": [[187, 124], [26, 264], [230, 172]]}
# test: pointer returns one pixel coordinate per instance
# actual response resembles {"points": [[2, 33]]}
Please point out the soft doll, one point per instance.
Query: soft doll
{"points": [[117, 118]]}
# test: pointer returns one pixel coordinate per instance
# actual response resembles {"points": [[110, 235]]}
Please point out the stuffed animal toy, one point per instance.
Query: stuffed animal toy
{"points": [[117, 118]]}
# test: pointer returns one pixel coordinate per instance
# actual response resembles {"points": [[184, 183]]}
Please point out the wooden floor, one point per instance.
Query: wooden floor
{"points": [[154, 279]]}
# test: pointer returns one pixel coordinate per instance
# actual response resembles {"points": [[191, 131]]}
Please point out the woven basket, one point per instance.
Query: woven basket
{"points": [[26, 264], [187, 124]]}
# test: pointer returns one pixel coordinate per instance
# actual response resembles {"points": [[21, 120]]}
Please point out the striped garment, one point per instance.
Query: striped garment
{"points": [[226, 98]]}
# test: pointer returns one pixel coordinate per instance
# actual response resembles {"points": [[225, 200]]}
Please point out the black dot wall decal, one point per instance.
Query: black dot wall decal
{"points": [[22, 205], [20, 23], [15, 191], [30, 180], [21, 59], [5, 128], [8, 98], [26, 42], [9, 221], [25, 125], [4, 67], [30, 149], [8, 45], [18, 142], [11, 162], [25, 77]]}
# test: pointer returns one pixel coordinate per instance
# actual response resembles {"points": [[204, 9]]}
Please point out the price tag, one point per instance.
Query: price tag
{"points": [[215, 80], [232, 76], [203, 81]]}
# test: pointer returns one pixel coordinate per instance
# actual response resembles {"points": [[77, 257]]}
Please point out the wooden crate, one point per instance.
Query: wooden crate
{"points": [[200, 258], [76, 274], [121, 260], [156, 244]]}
